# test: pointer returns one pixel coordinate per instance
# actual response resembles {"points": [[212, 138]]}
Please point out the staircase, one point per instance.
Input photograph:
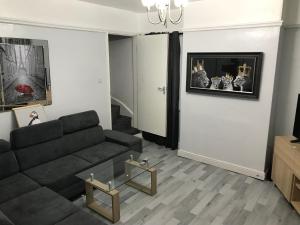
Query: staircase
{"points": [[120, 122]]}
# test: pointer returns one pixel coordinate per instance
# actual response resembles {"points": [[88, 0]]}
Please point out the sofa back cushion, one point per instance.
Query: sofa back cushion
{"points": [[8, 162], [38, 144], [38, 154], [79, 121], [82, 139], [36, 134], [81, 130]]}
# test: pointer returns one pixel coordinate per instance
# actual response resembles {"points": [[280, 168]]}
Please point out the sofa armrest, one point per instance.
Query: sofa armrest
{"points": [[134, 143]]}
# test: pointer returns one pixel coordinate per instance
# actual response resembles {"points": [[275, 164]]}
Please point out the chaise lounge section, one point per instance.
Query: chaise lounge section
{"points": [[12, 182], [24, 202], [38, 174]]}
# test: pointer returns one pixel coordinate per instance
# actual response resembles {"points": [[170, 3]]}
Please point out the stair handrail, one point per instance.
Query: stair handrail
{"points": [[122, 104]]}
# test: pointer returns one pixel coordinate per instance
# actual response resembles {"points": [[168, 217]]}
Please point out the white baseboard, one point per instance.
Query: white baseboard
{"points": [[223, 164]]}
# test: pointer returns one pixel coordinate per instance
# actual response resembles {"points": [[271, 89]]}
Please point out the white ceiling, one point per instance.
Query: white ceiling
{"points": [[131, 5]]}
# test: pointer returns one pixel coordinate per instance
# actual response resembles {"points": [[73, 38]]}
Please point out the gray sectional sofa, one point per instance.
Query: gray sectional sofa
{"points": [[37, 170]]}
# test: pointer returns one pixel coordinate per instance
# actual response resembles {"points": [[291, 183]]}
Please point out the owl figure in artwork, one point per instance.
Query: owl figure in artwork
{"points": [[227, 82], [199, 76], [243, 76], [215, 82]]}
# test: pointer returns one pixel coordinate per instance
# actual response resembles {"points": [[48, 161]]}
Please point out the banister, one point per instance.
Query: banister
{"points": [[123, 105]]}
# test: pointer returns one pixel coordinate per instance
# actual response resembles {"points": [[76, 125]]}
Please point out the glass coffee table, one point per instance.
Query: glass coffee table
{"points": [[107, 177]]}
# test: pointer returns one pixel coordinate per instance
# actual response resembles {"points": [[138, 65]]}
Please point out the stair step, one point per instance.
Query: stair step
{"points": [[115, 112], [122, 123]]}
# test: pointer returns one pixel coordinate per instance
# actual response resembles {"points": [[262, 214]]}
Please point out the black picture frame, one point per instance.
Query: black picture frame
{"points": [[228, 74]]}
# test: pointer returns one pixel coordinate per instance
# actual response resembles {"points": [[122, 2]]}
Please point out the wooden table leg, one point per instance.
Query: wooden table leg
{"points": [[153, 186], [114, 214], [115, 199], [153, 172]]}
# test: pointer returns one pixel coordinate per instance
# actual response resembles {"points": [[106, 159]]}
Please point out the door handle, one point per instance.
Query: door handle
{"points": [[163, 89]]}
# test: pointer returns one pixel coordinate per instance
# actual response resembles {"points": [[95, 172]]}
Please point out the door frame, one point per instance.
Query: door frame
{"points": [[135, 82]]}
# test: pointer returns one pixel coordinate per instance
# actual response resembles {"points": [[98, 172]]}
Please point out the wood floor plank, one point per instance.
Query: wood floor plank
{"points": [[194, 193]]}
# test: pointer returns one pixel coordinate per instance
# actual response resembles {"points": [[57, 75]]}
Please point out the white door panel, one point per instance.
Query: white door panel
{"points": [[152, 69]]}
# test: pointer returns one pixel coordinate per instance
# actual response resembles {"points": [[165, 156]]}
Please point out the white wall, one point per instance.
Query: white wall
{"points": [[121, 70], [220, 13], [216, 136], [205, 133], [78, 68], [84, 15], [229, 132], [289, 85], [291, 12], [70, 13]]}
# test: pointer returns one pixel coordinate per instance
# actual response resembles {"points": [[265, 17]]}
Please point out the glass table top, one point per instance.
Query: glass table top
{"points": [[121, 169]]}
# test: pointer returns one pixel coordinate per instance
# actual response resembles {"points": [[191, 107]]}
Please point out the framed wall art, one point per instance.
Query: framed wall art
{"points": [[30, 115], [24, 72], [231, 74]]}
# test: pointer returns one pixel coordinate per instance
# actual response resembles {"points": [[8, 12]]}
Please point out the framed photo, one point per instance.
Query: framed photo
{"points": [[231, 74], [30, 115], [24, 72]]}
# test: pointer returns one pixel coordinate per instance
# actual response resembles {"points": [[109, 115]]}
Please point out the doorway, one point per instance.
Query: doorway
{"points": [[145, 85], [122, 83]]}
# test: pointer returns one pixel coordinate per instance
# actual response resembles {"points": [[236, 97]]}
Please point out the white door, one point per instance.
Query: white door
{"points": [[151, 72]]}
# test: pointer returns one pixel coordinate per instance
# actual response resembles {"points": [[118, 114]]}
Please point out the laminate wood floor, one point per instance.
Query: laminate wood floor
{"points": [[193, 193]]}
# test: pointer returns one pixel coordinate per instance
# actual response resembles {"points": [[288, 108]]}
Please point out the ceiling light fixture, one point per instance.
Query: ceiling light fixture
{"points": [[163, 8]]}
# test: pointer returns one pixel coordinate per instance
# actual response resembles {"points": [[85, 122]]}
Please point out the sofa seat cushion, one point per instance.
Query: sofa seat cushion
{"points": [[58, 174], [81, 218], [101, 152], [73, 191], [39, 207], [16, 185]]}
